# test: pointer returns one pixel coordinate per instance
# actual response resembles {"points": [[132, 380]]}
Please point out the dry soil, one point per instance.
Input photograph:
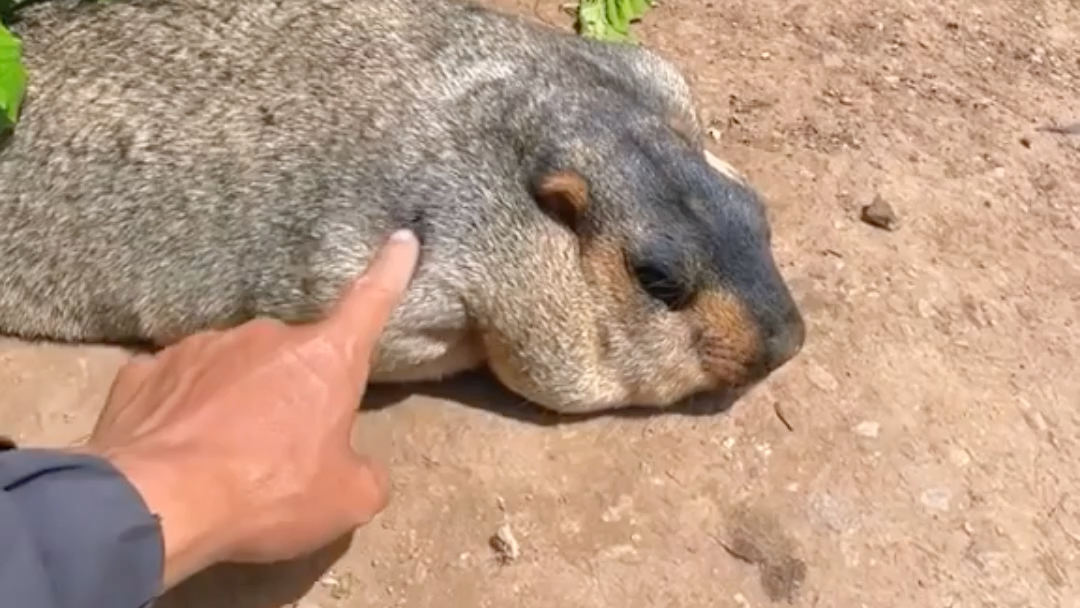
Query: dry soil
{"points": [[921, 452]]}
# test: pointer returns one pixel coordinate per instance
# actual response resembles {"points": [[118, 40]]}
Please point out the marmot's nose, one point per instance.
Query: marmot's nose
{"points": [[784, 338]]}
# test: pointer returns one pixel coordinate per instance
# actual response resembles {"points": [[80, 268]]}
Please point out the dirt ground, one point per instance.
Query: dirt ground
{"points": [[929, 454]]}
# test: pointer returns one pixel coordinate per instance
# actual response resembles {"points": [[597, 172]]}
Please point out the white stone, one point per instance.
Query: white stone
{"points": [[868, 428], [936, 499]]}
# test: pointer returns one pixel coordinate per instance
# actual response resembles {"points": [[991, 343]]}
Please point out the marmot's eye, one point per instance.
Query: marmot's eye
{"points": [[663, 285]]}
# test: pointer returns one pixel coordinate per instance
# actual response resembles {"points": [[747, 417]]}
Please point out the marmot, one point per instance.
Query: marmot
{"points": [[189, 164]]}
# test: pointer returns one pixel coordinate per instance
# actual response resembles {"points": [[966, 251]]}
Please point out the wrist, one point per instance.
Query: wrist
{"points": [[191, 504]]}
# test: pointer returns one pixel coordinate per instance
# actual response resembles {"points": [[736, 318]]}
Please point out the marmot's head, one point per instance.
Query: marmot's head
{"points": [[648, 279]]}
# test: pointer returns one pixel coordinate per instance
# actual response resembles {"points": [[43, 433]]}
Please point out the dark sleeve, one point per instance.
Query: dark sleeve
{"points": [[74, 533]]}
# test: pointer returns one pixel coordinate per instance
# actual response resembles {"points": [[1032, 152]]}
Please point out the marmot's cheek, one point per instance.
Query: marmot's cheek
{"points": [[727, 338], [553, 377]]}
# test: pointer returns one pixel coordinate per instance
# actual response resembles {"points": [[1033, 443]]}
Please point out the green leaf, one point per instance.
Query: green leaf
{"points": [[12, 79], [609, 20]]}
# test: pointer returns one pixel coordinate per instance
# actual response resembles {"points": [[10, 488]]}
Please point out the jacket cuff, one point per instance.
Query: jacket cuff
{"points": [[96, 537]]}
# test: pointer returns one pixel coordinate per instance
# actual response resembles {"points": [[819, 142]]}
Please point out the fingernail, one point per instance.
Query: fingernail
{"points": [[403, 236]]}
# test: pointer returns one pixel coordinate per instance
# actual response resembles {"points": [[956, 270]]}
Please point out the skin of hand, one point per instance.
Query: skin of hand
{"points": [[239, 440]]}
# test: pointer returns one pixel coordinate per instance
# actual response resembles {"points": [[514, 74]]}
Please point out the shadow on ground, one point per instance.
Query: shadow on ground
{"points": [[482, 391], [255, 586]]}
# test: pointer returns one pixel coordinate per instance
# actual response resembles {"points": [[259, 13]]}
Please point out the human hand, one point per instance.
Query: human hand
{"points": [[239, 440]]}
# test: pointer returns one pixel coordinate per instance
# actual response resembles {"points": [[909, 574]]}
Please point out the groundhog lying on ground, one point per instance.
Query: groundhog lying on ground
{"points": [[189, 164]]}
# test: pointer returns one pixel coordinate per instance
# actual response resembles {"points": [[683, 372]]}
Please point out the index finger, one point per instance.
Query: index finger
{"points": [[365, 308]]}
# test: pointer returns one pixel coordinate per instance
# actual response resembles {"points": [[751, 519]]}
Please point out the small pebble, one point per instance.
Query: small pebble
{"points": [[936, 499], [830, 512], [505, 544], [344, 587], [832, 61], [329, 581], [926, 309], [959, 457], [821, 378], [868, 428], [880, 214], [622, 551], [1036, 421]]}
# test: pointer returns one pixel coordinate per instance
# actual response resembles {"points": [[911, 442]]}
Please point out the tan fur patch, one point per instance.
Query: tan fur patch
{"points": [[506, 361], [730, 344], [605, 262], [650, 351], [714, 342]]}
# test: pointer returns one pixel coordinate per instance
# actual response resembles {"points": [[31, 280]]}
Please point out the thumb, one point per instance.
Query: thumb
{"points": [[370, 301]]}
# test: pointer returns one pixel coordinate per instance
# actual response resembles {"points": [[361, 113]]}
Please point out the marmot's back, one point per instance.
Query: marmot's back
{"points": [[191, 164], [169, 145]]}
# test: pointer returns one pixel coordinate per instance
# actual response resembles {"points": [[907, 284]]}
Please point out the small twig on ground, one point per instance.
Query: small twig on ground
{"points": [[742, 557], [779, 409], [1069, 129]]}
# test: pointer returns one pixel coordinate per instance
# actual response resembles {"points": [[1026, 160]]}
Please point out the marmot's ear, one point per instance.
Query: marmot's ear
{"points": [[564, 195]]}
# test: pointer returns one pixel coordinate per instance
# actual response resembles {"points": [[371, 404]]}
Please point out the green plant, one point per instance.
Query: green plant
{"points": [[12, 78], [609, 20]]}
